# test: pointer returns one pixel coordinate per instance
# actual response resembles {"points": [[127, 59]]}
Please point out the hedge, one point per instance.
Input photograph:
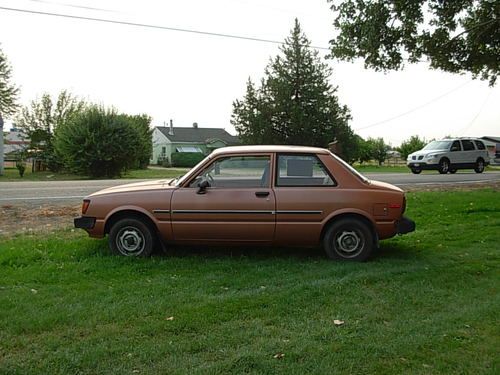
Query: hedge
{"points": [[186, 159]]}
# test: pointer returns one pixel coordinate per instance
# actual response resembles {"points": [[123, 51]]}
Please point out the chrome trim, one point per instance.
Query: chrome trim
{"points": [[161, 211], [222, 212], [298, 212]]}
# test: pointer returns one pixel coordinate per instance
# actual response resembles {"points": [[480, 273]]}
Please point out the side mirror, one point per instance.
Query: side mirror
{"points": [[202, 187]]}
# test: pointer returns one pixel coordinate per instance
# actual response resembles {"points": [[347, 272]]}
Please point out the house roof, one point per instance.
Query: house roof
{"points": [[198, 135], [492, 139]]}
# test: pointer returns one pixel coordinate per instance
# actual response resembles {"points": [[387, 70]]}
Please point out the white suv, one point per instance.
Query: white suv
{"points": [[449, 155]]}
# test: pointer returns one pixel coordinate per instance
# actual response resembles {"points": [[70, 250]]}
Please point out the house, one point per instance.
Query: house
{"points": [[493, 146], [170, 139], [15, 142]]}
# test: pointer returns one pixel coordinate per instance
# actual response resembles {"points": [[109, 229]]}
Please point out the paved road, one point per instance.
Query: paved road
{"points": [[71, 192]]}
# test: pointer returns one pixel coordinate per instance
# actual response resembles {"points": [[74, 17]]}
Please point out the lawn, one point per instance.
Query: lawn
{"points": [[427, 303], [11, 174]]}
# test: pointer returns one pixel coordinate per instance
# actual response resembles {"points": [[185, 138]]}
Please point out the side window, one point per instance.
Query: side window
{"points": [[456, 146], [480, 145], [468, 145], [302, 170], [237, 172]]}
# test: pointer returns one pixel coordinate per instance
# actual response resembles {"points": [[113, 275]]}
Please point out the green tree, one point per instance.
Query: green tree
{"points": [[414, 143], [40, 120], [98, 142], [8, 99], [145, 147], [295, 102], [365, 150], [456, 36], [379, 149]]}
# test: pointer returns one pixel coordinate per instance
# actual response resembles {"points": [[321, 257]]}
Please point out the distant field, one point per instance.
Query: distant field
{"points": [[427, 303]]}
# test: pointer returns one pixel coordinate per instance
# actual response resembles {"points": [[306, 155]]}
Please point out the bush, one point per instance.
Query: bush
{"points": [[411, 145], [186, 159], [99, 143]]}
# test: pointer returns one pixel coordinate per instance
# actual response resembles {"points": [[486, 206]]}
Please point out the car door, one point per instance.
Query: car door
{"points": [[456, 154], [469, 152], [305, 195], [237, 206]]}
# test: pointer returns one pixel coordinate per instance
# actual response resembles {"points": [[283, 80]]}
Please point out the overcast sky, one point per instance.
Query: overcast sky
{"points": [[195, 78]]}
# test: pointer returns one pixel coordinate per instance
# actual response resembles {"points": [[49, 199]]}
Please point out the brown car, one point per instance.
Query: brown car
{"points": [[269, 195]]}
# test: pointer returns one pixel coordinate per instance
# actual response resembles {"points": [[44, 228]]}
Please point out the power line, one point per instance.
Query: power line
{"points": [[477, 114], [72, 5], [414, 109], [158, 27]]}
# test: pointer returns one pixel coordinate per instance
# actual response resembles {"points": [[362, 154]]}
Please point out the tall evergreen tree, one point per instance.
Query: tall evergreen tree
{"points": [[8, 99], [295, 103]]}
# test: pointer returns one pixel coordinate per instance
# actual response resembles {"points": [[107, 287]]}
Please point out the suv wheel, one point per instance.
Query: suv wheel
{"points": [[348, 239], [131, 237], [479, 168], [416, 170], [444, 166], [453, 171]]}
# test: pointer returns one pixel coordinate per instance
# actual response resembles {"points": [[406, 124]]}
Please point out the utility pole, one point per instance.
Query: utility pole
{"points": [[1, 145]]}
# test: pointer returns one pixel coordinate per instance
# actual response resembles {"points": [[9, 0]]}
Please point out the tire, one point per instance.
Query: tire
{"points": [[479, 167], [416, 170], [444, 166], [453, 171], [348, 239], [131, 237]]}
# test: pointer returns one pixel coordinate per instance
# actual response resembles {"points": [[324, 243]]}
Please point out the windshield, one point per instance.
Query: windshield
{"points": [[179, 180], [353, 171], [438, 145]]}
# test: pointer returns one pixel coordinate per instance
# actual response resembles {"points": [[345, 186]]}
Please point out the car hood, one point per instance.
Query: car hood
{"points": [[135, 187], [426, 152], [384, 186]]}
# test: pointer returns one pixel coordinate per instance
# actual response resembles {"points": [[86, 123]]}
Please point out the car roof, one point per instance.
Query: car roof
{"points": [[269, 148]]}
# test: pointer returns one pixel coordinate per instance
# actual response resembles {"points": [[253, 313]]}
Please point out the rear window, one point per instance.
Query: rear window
{"points": [[480, 145], [302, 170]]}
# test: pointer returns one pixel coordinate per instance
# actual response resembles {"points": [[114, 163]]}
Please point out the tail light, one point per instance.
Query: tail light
{"points": [[85, 206]]}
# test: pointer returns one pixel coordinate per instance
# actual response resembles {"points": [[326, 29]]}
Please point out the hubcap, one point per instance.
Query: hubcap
{"points": [[444, 166], [130, 241], [480, 165], [349, 243]]}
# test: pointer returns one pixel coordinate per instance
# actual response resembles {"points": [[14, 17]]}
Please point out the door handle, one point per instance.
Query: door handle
{"points": [[262, 194]]}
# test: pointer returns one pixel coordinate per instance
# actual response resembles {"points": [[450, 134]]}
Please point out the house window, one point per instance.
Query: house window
{"points": [[163, 150], [188, 149]]}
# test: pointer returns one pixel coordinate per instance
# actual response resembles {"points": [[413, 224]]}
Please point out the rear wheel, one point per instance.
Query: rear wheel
{"points": [[349, 239], [444, 166], [131, 237], [416, 170], [479, 168]]}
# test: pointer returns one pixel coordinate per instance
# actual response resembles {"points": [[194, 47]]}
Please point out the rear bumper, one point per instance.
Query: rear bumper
{"points": [[405, 225], [84, 222]]}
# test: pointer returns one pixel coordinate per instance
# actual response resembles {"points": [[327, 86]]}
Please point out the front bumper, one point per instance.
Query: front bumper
{"points": [[84, 222], [421, 165], [405, 225]]}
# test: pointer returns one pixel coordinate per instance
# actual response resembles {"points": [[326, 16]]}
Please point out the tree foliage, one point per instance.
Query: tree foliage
{"points": [[456, 36], [8, 91], [414, 143], [40, 120], [378, 149], [295, 102], [99, 142], [8, 98]]}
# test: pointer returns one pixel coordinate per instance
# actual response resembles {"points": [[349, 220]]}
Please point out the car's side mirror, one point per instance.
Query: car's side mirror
{"points": [[202, 187]]}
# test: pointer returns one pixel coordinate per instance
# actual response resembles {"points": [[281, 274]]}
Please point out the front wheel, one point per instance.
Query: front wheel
{"points": [[444, 166], [479, 168], [349, 239], [453, 171], [131, 237], [416, 170]]}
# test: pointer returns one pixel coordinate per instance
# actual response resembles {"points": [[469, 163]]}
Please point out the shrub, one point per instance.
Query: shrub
{"points": [[186, 159], [98, 143]]}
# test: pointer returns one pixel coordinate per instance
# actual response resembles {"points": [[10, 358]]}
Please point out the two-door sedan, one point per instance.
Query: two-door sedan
{"points": [[266, 195]]}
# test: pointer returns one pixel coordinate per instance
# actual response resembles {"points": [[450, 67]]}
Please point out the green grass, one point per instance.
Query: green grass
{"points": [[427, 303], [11, 174]]}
